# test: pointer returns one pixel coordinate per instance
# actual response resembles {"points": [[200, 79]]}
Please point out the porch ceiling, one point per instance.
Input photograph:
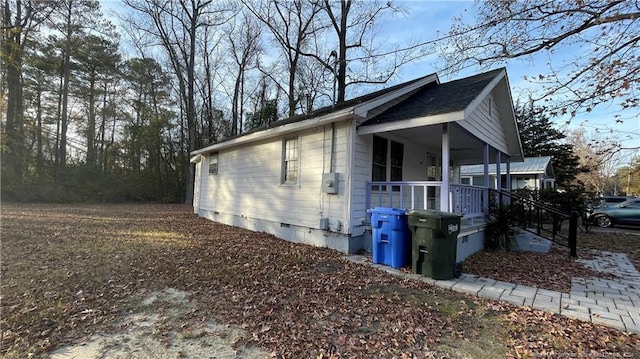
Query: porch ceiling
{"points": [[464, 148]]}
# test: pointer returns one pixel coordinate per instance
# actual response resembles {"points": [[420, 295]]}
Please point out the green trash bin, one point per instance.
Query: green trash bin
{"points": [[434, 242]]}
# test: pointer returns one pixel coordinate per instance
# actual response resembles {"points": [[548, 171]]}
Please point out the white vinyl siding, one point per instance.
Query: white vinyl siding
{"points": [[484, 122], [250, 176], [361, 171]]}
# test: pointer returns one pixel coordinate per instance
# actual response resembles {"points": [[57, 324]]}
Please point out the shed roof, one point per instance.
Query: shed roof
{"points": [[531, 165]]}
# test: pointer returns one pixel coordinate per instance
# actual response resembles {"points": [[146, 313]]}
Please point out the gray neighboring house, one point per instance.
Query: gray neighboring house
{"points": [[534, 173], [311, 178]]}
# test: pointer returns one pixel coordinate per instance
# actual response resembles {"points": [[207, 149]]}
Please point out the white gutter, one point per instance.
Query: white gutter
{"points": [[280, 130], [411, 123]]}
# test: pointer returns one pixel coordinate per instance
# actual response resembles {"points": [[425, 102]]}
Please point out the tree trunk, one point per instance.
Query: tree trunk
{"points": [[66, 74], [342, 51], [12, 156], [39, 152], [191, 109], [91, 123]]}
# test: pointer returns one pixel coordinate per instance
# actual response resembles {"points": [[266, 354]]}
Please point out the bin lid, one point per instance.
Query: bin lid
{"points": [[429, 213], [387, 210]]}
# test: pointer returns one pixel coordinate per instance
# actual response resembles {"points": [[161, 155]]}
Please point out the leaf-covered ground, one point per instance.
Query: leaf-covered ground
{"points": [[69, 271], [555, 269]]}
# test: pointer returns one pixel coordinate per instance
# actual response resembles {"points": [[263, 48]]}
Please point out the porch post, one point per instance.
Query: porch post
{"points": [[485, 160], [509, 188], [498, 174], [444, 190]]}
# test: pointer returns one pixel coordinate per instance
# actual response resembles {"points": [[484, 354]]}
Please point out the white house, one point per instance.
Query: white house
{"points": [[534, 173], [311, 178]]}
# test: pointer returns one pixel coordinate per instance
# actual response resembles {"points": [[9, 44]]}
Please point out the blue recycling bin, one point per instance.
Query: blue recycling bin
{"points": [[391, 237]]}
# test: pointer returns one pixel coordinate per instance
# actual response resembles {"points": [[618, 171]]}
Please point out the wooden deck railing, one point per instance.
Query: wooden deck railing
{"points": [[464, 199]]}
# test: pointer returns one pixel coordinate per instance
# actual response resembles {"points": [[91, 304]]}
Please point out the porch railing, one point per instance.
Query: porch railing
{"points": [[464, 199]]}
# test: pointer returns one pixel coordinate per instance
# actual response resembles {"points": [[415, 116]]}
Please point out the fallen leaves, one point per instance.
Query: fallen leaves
{"points": [[293, 300], [552, 271]]}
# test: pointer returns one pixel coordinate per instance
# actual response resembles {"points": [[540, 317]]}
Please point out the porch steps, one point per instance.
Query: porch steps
{"points": [[529, 242]]}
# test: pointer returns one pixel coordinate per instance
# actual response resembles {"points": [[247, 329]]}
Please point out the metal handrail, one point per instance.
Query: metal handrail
{"points": [[532, 219]]}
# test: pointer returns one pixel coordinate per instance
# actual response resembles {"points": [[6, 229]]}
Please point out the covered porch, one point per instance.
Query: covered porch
{"points": [[427, 172], [417, 148]]}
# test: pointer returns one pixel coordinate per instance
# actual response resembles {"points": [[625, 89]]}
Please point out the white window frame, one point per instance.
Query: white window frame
{"points": [[213, 160], [290, 155]]}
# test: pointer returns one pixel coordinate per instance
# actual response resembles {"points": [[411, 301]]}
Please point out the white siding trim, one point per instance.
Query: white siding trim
{"points": [[283, 130], [414, 122], [486, 92]]}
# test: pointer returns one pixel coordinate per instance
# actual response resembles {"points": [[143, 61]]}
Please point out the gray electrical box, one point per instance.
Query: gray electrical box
{"points": [[330, 183], [324, 223]]}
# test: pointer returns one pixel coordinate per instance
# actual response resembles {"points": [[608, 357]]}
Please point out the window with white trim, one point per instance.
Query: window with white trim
{"points": [[290, 160], [213, 163]]}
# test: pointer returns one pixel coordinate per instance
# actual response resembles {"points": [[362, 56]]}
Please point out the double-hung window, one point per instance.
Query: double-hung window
{"points": [[290, 160], [213, 163]]}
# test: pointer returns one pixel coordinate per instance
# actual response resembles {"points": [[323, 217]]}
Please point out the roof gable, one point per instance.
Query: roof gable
{"points": [[437, 99]]}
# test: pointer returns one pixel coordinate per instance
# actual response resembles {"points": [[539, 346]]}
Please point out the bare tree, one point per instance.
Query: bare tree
{"points": [[177, 26], [361, 58], [604, 37], [211, 119], [243, 38], [599, 155], [293, 24]]}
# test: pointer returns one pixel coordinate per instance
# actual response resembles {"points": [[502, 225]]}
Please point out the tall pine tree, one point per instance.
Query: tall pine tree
{"points": [[540, 138]]}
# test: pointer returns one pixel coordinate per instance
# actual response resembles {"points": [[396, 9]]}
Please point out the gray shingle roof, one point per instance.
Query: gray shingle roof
{"points": [[437, 99], [530, 165], [328, 109]]}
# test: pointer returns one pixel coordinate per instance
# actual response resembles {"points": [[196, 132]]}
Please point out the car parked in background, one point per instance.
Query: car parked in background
{"points": [[606, 201], [627, 212]]}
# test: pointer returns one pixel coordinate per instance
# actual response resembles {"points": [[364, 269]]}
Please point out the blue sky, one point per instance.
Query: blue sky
{"points": [[430, 19]]}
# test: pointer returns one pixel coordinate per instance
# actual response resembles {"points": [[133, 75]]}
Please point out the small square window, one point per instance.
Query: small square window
{"points": [[213, 163]]}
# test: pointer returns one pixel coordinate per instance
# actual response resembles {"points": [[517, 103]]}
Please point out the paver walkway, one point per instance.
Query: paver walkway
{"points": [[612, 302]]}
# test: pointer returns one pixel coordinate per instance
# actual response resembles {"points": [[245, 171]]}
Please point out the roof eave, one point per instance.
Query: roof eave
{"points": [[411, 123], [283, 130]]}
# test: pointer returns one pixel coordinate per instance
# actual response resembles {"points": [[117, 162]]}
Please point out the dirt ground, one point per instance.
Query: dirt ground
{"points": [[157, 331]]}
